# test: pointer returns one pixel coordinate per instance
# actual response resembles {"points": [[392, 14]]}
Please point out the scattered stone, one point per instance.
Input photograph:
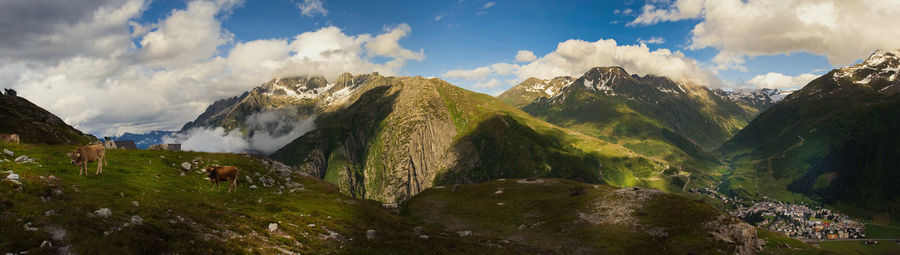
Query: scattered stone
{"points": [[28, 227], [136, 220], [24, 159], [423, 236], [501, 203], [249, 180], [370, 234], [186, 166], [501, 179], [530, 180], [53, 178], [8, 152], [122, 194], [464, 233], [499, 191], [311, 225], [273, 227], [46, 245], [253, 187], [135, 203], [417, 230], [103, 213], [49, 213], [13, 178]]}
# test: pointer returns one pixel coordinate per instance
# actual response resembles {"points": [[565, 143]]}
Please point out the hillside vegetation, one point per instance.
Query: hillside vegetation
{"points": [[155, 209]]}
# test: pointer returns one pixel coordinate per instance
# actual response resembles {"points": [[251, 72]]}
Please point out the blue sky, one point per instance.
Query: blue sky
{"points": [[468, 36]]}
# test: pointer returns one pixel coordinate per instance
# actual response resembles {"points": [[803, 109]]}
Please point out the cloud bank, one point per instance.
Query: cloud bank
{"points": [[105, 73], [747, 28], [271, 131]]}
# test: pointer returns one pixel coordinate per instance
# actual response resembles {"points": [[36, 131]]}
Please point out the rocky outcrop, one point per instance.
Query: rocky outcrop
{"points": [[734, 232]]}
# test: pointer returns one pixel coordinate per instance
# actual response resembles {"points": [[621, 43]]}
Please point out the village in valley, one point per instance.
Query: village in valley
{"points": [[801, 221]]}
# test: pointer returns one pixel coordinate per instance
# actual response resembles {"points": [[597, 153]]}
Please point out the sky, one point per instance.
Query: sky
{"points": [[114, 66]]}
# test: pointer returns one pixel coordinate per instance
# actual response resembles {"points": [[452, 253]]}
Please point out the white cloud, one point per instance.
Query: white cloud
{"points": [[274, 130], [438, 17], [488, 5], [99, 81], [310, 8], [574, 57], [504, 68], [778, 80], [525, 56], [492, 83], [842, 30], [185, 37], [652, 40], [470, 74]]}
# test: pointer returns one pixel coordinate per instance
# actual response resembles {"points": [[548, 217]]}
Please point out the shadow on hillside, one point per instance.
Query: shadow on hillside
{"points": [[502, 147]]}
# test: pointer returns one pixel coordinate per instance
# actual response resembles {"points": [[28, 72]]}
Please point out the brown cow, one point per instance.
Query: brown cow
{"points": [[86, 154], [222, 173], [11, 138]]}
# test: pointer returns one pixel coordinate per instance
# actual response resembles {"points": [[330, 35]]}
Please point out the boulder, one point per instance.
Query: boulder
{"points": [[136, 220], [103, 213], [273, 227], [370, 234], [8, 152], [186, 166]]}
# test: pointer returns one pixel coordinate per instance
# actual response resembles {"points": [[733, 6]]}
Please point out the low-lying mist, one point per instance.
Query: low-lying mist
{"points": [[266, 132]]}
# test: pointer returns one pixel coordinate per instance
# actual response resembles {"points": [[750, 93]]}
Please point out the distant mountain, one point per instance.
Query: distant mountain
{"points": [[295, 97], [393, 137], [33, 124], [145, 140], [835, 140], [759, 99], [652, 116]]}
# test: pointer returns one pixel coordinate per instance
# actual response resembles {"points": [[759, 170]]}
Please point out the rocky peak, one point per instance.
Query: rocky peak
{"points": [[881, 65]]}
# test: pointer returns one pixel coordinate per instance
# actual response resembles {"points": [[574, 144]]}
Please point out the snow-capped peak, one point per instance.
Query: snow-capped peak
{"points": [[882, 64]]}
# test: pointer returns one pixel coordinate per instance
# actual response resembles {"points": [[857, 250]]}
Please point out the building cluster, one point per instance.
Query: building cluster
{"points": [[801, 221]]}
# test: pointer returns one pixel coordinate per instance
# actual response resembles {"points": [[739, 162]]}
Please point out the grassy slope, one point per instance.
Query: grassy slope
{"points": [[213, 222]]}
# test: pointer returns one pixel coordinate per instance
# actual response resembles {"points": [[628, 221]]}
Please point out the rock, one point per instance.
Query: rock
{"points": [[464, 233], [273, 227], [370, 234], [28, 227], [136, 220], [249, 180], [23, 159], [417, 230], [103, 213], [46, 245], [49, 213], [135, 203], [423, 236], [13, 178], [186, 166], [8, 152], [253, 187]]}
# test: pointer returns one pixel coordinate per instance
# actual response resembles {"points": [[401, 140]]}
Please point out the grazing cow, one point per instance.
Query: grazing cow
{"points": [[222, 173], [11, 138], [86, 154]]}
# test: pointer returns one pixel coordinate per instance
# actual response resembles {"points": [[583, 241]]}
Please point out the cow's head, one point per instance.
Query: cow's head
{"points": [[73, 157]]}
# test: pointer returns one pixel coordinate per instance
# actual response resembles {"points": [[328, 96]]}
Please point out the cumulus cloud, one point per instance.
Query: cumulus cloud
{"points": [[272, 130], [96, 78], [740, 29], [525, 56], [574, 57], [779, 80], [310, 8]]}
